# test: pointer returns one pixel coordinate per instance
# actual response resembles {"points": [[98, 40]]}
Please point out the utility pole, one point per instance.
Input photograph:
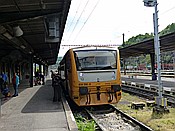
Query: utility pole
{"points": [[123, 39], [159, 100], [174, 63], [124, 62]]}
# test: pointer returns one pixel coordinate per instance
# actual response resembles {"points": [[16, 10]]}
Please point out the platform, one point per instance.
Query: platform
{"points": [[166, 82], [33, 110]]}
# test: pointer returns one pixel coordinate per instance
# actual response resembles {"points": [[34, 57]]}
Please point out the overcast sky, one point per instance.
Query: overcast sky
{"points": [[102, 22]]}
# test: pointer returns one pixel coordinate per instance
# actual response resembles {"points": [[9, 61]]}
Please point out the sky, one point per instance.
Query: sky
{"points": [[102, 22]]}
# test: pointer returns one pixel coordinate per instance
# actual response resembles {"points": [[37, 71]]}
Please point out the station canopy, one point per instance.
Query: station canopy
{"points": [[33, 27], [167, 43]]}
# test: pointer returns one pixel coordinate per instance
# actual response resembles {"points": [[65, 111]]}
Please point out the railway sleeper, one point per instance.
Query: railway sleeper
{"points": [[137, 105], [150, 103]]}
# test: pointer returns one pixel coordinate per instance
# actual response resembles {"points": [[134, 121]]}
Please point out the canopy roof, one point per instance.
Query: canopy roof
{"points": [[167, 43], [42, 23]]}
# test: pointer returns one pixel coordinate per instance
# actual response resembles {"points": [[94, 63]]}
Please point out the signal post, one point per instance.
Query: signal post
{"points": [[161, 102]]}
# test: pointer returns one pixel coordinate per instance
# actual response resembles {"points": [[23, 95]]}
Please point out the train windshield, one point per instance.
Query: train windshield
{"points": [[95, 60]]}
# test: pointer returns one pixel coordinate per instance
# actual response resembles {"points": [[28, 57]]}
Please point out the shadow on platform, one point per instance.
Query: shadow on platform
{"points": [[42, 101], [24, 84]]}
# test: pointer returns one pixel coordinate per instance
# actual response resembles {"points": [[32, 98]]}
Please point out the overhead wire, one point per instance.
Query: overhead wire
{"points": [[74, 16], [168, 10], [87, 19], [78, 19]]}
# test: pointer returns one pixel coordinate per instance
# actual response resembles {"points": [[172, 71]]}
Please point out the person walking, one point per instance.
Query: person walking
{"points": [[15, 82]]}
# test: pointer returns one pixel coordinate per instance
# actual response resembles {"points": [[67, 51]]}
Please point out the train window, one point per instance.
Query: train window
{"points": [[68, 63], [95, 60]]}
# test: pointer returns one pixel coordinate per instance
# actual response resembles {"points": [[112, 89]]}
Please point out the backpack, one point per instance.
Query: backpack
{"points": [[14, 80]]}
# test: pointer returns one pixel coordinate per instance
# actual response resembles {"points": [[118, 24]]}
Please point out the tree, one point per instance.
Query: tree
{"points": [[167, 57], [169, 29], [137, 39]]}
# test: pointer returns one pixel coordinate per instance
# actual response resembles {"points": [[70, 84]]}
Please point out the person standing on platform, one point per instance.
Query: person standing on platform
{"points": [[5, 78], [56, 80], [15, 82], [1, 83]]}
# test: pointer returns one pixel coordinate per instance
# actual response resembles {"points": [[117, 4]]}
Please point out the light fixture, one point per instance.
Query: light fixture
{"points": [[17, 31], [7, 35], [149, 3], [22, 46], [42, 4]]}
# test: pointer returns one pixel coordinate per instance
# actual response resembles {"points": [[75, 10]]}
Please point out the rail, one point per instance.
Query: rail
{"points": [[149, 90], [108, 117]]}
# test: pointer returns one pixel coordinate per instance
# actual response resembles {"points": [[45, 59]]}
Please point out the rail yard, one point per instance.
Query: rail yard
{"points": [[137, 106], [87, 65], [109, 118]]}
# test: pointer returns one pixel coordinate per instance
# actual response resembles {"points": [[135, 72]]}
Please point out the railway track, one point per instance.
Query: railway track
{"points": [[149, 93], [109, 118]]}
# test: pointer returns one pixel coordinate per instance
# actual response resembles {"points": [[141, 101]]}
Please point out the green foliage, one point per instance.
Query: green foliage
{"points": [[157, 122], [145, 59], [137, 39], [142, 37], [135, 62], [84, 124], [166, 57], [169, 29]]}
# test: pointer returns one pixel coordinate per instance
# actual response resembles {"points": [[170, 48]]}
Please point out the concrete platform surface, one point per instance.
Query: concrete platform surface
{"points": [[33, 110], [166, 82]]}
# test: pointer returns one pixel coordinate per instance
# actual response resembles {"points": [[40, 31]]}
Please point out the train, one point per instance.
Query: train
{"points": [[91, 75]]}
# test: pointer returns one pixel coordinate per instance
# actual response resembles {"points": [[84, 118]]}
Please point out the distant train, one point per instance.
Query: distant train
{"points": [[91, 75]]}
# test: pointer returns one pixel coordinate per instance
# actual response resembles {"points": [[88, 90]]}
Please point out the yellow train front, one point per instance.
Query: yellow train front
{"points": [[91, 75]]}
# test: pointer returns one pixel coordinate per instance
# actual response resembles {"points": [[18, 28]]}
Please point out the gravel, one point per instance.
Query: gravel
{"points": [[115, 122]]}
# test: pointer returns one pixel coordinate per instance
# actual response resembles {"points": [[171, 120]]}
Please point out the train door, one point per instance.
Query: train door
{"points": [[68, 75]]}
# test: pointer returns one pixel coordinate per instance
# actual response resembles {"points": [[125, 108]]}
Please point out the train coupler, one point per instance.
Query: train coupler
{"points": [[98, 96]]}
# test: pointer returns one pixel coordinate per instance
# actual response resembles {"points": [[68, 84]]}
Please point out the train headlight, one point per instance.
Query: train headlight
{"points": [[81, 76], [83, 90], [116, 88]]}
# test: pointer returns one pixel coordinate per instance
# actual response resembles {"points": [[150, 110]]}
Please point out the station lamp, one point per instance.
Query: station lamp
{"points": [[17, 31], [160, 101]]}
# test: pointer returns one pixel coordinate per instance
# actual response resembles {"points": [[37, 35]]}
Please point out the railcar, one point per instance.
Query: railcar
{"points": [[91, 75]]}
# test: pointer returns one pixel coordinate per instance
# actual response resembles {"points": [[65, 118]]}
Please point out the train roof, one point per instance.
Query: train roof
{"points": [[83, 48], [94, 48]]}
